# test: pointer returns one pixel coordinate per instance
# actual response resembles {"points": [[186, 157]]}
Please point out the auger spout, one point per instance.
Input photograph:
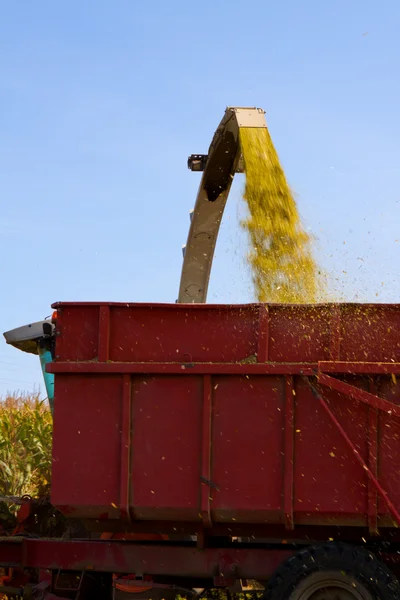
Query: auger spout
{"points": [[219, 167]]}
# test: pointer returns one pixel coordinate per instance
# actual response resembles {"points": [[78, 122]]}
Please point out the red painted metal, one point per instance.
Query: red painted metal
{"points": [[155, 560], [359, 394], [104, 333], [126, 425], [334, 342], [373, 445], [263, 335], [230, 333], [98, 368], [202, 415], [365, 368], [393, 510], [206, 488], [289, 454]]}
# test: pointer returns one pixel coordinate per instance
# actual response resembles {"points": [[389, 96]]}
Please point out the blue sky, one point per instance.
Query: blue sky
{"points": [[101, 102]]}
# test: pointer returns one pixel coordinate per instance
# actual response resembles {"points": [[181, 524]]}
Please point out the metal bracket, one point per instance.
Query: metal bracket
{"points": [[374, 480]]}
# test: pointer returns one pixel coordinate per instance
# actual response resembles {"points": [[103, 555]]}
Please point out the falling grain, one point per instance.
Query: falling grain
{"points": [[281, 260]]}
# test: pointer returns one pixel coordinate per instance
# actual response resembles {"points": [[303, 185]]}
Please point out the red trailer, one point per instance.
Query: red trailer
{"points": [[198, 445]]}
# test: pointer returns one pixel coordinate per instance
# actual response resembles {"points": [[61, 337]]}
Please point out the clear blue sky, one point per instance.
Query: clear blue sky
{"points": [[101, 102]]}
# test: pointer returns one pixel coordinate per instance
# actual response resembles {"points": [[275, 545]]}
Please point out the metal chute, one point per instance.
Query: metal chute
{"points": [[219, 167]]}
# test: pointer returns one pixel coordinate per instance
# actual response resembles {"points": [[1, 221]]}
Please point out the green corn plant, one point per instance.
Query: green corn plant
{"points": [[25, 446]]}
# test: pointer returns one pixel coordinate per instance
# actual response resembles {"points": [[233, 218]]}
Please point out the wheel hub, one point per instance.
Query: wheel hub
{"points": [[331, 586]]}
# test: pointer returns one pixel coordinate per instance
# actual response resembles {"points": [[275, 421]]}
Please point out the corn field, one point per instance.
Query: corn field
{"points": [[25, 447]]}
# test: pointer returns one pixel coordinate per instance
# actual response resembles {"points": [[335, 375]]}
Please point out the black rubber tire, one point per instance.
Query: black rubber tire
{"points": [[357, 565]]}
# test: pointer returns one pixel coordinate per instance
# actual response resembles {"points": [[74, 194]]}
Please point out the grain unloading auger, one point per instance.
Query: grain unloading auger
{"points": [[219, 167]]}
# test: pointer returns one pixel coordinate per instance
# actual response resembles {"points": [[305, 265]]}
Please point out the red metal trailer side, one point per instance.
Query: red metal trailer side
{"points": [[227, 415]]}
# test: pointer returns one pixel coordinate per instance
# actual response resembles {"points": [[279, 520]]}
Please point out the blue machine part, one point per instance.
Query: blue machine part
{"points": [[45, 359]]}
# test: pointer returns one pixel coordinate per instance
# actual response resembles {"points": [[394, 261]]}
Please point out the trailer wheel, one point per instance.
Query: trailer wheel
{"points": [[333, 572]]}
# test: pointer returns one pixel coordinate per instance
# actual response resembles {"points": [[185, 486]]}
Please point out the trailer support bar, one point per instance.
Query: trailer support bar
{"points": [[392, 509], [157, 560], [358, 394]]}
